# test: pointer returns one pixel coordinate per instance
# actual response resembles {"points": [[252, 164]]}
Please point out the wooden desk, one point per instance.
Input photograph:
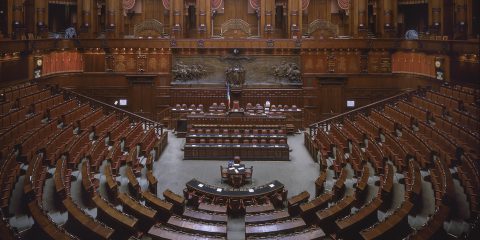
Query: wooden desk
{"points": [[338, 210], [163, 208], [84, 226], [295, 201], [362, 183], [112, 187], [267, 207], [312, 233], [262, 191], [234, 172], [46, 225], [133, 184], [394, 225], [177, 201], [350, 226], [204, 216], [275, 228], [307, 210], [108, 214], [267, 217], [152, 182], [214, 208], [227, 151], [160, 232], [319, 183], [145, 215], [197, 227]]}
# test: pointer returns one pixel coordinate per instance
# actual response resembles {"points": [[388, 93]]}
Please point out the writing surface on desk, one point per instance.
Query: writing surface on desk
{"points": [[200, 185], [251, 190], [219, 190], [271, 185]]}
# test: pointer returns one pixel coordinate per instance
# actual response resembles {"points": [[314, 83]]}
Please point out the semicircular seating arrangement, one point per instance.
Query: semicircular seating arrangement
{"points": [[397, 169]]}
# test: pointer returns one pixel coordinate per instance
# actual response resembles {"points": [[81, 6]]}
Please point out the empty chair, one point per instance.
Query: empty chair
{"points": [[202, 140], [227, 141], [263, 141], [223, 173], [264, 131], [246, 141], [272, 141]]}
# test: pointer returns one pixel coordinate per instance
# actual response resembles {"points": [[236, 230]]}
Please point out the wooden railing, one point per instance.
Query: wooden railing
{"points": [[378, 104], [147, 123], [451, 47]]}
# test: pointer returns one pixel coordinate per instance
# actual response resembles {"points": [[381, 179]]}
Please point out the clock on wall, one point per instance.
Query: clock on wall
{"points": [[39, 62], [438, 64]]}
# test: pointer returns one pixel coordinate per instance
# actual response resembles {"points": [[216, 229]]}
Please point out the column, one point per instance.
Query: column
{"points": [[435, 17], [294, 18], [86, 17], [267, 18], [389, 18], [461, 26], [362, 18], [203, 18], [111, 18], [41, 8], [18, 22], [176, 18]]}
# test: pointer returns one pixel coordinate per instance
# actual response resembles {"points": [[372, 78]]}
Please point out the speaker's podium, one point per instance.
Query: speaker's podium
{"points": [[236, 111]]}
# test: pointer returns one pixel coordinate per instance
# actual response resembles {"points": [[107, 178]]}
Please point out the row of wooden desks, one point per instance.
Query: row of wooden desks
{"points": [[82, 225], [197, 227], [338, 210], [146, 216], [349, 226], [311, 233], [267, 217], [160, 232], [111, 216], [290, 225], [254, 152], [250, 193], [394, 225], [205, 216], [163, 208]]}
